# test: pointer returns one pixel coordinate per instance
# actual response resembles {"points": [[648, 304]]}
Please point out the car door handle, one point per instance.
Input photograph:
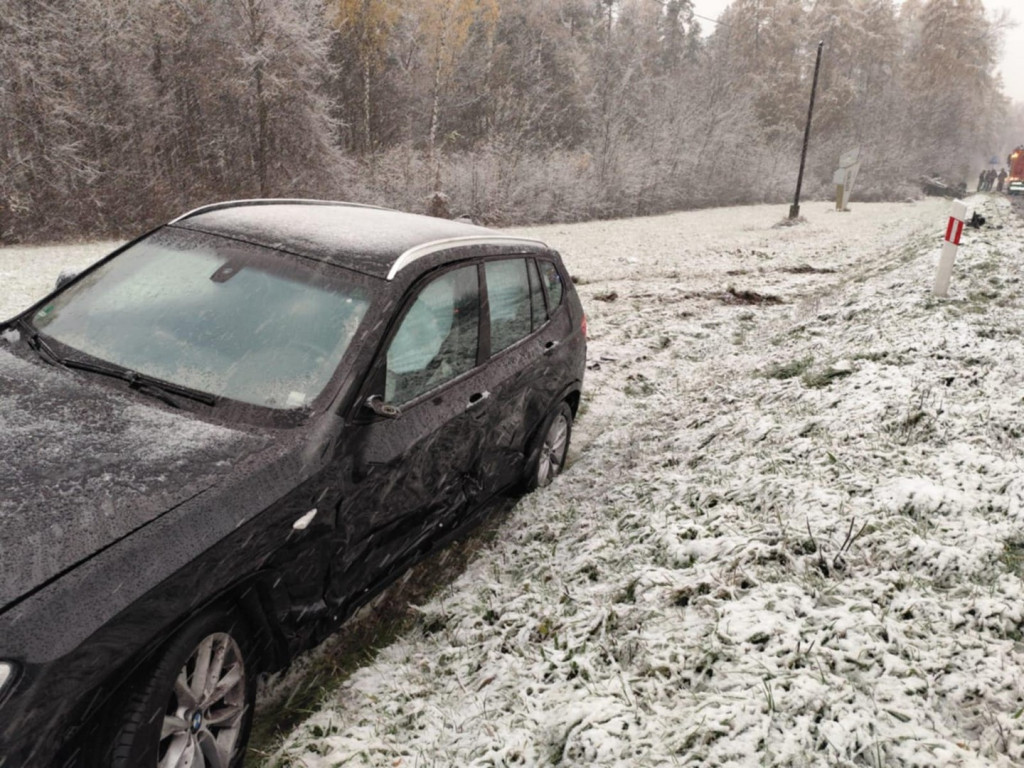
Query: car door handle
{"points": [[303, 522], [476, 399]]}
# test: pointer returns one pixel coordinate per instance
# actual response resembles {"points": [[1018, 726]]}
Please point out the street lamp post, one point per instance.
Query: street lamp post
{"points": [[794, 210]]}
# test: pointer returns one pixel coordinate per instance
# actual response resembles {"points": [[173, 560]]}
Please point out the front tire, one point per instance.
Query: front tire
{"points": [[194, 706]]}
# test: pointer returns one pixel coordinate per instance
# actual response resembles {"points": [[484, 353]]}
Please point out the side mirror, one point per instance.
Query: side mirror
{"points": [[65, 277], [376, 404]]}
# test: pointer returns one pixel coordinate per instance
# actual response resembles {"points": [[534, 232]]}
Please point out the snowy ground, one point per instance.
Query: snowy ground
{"points": [[681, 596], [792, 533], [27, 273]]}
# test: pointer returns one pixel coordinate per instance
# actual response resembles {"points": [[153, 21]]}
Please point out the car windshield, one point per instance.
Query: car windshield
{"points": [[216, 315]]}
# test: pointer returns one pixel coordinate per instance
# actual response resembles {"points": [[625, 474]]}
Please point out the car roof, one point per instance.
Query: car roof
{"points": [[375, 241]]}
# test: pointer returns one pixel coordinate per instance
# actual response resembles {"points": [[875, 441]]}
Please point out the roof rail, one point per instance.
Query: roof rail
{"points": [[419, 251], [267, 201]]}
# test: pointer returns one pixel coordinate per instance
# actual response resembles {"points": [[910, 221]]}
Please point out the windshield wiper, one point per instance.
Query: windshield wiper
{"points": [[37, 345], [44, 350], [162, 390], [149, 385]]}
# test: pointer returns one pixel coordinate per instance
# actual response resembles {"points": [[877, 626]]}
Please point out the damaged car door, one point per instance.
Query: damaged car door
{"points": [[412, 451]]}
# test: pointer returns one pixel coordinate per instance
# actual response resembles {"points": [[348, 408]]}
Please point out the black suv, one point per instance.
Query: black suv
{"points": [[221, 439]]}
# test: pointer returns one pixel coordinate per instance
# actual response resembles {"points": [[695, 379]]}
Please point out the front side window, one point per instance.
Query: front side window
{"points": [[437, 339], [215, 315]]}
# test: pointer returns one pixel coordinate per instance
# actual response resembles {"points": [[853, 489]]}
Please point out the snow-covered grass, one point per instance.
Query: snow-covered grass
{"points": [[28, 272], [792, 533]]}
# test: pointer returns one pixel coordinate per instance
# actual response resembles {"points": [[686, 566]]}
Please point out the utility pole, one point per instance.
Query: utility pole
{"points": [[794, 210]]}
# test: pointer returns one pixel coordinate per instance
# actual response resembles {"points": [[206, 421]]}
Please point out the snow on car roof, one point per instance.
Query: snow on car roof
{"points": [[362, 238]]}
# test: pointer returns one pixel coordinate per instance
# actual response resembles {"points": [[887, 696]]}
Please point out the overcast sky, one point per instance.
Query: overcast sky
{"points": [[1013, 47]]}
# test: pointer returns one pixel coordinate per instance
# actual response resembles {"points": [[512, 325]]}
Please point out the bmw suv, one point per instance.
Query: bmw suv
{"points": [[222, 438]]}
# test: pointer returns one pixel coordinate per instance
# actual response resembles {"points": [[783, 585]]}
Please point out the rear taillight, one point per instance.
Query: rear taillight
{"points": [[583, 325]]}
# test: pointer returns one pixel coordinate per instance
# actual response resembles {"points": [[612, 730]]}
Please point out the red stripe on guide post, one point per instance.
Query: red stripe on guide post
{"points": [[954, 230]]}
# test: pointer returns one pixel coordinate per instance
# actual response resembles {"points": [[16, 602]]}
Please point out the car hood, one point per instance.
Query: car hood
{"points": [[82, 465]]}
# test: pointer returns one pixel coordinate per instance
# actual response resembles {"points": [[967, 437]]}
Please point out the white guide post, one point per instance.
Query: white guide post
{"points": [[849, 164], [954, 229], [851, 176], [839, 179]]}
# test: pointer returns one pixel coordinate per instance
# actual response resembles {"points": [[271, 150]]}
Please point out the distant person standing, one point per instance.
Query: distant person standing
{"points": [[991, 179], [1002, 180], [981, 181]]}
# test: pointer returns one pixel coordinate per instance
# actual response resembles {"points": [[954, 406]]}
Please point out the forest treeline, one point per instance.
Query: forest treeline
{"points": [[118, 114]]}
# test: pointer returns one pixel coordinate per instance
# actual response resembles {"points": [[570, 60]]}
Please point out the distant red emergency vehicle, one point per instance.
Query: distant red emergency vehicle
{"points": [[1015, 181]]}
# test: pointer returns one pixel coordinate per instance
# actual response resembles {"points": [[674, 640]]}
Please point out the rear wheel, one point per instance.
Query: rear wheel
{"points": [[193, 708], [554, 447]]}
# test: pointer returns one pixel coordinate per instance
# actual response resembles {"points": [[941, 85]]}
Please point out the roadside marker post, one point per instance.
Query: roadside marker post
{"points": [[849, 165], [954, 230]]}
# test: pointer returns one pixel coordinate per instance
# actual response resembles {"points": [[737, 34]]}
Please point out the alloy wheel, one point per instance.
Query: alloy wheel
{"points": [[553, 450], [203, 722]]}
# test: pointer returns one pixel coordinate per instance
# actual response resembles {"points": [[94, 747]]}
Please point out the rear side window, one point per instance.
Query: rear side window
{"points": [[540, 312], [552, 284], [437, 339], [508, 294]]}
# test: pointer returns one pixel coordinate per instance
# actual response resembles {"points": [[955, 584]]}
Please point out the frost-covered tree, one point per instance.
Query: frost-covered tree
{"points": [[951, 94], [445, 27], [679, 34], [767, 56], [360, 57], [115, 114], [43, 161], [280, 49]]}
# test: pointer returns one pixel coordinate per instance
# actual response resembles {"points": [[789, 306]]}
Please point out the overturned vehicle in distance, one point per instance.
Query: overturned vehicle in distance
{"points": [[936, 186]]}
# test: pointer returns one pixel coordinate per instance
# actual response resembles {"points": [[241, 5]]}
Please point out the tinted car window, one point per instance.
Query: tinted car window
{"points": [[214, 315], [552, 283], [508, 295], [437, 339]]}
